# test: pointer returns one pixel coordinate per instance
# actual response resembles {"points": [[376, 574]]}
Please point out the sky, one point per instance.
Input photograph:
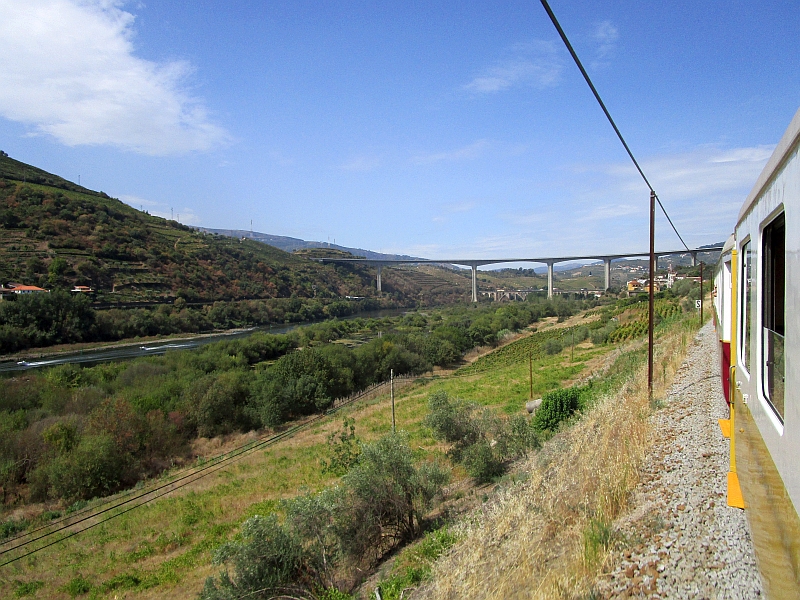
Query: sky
{"points": [[435, 129]]}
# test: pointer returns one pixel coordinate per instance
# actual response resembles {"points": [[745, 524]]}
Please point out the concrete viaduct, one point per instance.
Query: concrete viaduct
{"points": [[475, 263]]}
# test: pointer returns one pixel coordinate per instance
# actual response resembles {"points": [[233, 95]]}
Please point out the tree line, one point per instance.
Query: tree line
{"points": [[75, 432]]}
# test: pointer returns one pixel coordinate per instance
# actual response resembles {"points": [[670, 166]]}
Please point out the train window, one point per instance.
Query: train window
{"points": [[747, 288], [772, 303]]}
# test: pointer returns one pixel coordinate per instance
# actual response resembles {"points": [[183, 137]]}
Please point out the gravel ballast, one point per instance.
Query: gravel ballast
{"points": [[681, 539]]}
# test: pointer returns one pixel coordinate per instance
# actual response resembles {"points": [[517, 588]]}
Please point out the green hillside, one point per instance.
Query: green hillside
{"points": [[57, 234]]}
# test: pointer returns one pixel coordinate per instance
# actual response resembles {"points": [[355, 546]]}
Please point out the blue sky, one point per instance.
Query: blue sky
{"points": [[433, 129]]}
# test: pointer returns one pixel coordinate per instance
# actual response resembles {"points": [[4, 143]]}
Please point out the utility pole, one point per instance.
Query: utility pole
{"points": [[651, 311], [572, 352], [530, 373], [391, 387], [701, 294]]}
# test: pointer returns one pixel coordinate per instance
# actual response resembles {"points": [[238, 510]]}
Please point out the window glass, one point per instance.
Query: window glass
{"points": [[772, 318], [747, 286]]}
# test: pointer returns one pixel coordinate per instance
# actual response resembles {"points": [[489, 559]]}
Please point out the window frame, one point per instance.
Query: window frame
{"points": [[765, 273], [744, 343]]}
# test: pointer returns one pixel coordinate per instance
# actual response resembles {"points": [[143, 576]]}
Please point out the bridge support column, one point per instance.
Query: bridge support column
{"points": [[474, 283], [550, 279], [694, 259], [608, 273], [380, 268]]}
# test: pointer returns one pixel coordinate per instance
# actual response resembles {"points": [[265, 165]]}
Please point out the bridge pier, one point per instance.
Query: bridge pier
{"points": [[380, 268], [694, 258], [608, 273], [474, 282], [550, 278]]}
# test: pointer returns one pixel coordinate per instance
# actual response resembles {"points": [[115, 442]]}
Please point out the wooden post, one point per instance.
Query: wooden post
{"points": [[530, 372], [701, 294], [391, 384], [650, 333], [572, 352]]}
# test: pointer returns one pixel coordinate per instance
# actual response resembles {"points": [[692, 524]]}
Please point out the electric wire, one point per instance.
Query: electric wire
{"points": [[215, 465], [608, 114], [163, 493], [212, 462]]}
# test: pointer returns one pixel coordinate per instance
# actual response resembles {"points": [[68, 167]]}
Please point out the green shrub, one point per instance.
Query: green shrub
{"points": [[556, 407], [601, 335], [27, 588], [480, 440], [385, 498], [269, 560], [518, 437], [77, 586], [12, 527], [481, 462], [453, 421], [379, 503], [553, 346], [96, 467], [344, 448]]}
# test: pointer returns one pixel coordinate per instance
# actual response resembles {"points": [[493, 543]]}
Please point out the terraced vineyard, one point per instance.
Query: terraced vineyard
{"points": [[517, 352]]}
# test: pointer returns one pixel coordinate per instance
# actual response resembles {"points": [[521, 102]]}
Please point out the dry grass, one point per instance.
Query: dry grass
{"points": [[548, 537]]}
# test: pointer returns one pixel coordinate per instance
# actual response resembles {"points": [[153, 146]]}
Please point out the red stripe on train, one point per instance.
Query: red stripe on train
{"points": [[725, 364]]}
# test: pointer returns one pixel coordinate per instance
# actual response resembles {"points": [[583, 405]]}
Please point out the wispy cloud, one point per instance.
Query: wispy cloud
{"points": [[535, 64], [468, 152], [69, 70], [605, 36], [603, 207], [708, 171]]}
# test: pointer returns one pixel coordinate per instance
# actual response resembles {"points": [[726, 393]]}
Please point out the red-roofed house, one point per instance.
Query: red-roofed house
{"points": [[27, 289]]}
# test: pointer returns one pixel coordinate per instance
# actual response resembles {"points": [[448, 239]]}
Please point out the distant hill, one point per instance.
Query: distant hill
{"points": [[290, 244], [56, 234]]}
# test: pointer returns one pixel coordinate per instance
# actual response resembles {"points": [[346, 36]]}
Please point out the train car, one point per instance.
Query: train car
{"points": [[758, 295], [721, 296]]}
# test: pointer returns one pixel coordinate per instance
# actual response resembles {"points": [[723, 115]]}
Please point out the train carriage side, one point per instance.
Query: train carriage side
{"points": [[765, 328], [722, 293]]}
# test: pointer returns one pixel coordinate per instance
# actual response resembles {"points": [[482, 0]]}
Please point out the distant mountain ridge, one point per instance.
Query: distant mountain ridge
{"points": [[290, 244]]}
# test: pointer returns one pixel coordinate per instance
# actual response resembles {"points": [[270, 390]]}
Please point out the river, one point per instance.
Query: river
{"points": [[152, 348]]}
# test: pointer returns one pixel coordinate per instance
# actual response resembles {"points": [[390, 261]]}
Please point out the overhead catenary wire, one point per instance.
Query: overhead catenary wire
{"points": [[215, 465], [608, 114]]}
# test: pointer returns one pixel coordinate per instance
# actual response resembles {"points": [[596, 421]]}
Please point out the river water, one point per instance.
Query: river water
{"points": [[151, 348]]}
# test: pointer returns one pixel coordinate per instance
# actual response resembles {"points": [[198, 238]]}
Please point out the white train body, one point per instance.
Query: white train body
{"points": [[757, 306]]}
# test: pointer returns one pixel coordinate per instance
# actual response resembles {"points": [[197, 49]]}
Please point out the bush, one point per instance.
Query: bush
{"points": [[77, 586], [453, 421], [269, 560], [344, 449], [553, 346], [601, 335], [481, 462], [95, 468], [518, 437], [480, 440], [556, 407], [385, 499], [380, 503]]}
